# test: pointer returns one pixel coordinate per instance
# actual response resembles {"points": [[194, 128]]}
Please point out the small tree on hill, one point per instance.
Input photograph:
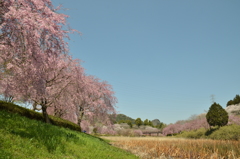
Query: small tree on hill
{"points": [[145, 122], [138, 122], [236, 100], [150, 123], [129, 123], [161, 126], [230, 103], [217, 116]]}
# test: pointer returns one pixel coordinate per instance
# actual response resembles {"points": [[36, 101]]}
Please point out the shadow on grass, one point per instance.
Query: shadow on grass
{"points": [[10, 107], [52, 137], [211, 130], [49, 136]]}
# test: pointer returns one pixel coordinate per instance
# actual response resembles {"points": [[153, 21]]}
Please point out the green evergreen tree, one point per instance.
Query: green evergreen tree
{"points": [[236, 100], [129, 123], [145, 122], [161, 126], [217, 116], [150, 123], [230, 102], [138, 122]]}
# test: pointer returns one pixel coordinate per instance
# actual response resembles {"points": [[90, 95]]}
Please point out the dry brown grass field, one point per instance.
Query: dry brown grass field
{"points": [[177, 148]]}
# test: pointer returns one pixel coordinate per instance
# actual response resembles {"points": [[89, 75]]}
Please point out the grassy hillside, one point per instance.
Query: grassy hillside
{"points": [[21, 137], [10, 107]]}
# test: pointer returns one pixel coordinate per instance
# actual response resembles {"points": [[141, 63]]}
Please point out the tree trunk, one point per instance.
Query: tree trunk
{"points": [[45, 114], [81, 113]]}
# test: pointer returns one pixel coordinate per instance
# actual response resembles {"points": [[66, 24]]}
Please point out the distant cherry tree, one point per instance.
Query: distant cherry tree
{"points": [[187, 125], [172, 129], [233, 119]]}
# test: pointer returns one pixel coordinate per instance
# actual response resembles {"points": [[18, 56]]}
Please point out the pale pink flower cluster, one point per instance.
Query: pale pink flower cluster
{"points": [[85, 126], [233, 119], [178, 127], [106, 131], [195, 124], [138, 132]]}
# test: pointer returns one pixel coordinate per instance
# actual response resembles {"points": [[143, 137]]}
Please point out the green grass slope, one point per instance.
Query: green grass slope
{"points": [[21, 137], [10, 107]]}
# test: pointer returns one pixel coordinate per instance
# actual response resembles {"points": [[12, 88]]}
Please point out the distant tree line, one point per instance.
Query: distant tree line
{"points": [[121, 118], [139, 122], [236, 100]]}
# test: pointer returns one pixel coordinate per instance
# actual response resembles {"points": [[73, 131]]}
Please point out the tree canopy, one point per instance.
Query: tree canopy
{"points": [[138, 122], [146, 122]]}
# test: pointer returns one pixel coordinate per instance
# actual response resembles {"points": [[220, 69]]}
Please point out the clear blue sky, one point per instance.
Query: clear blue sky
{"points": [[164, 58]]}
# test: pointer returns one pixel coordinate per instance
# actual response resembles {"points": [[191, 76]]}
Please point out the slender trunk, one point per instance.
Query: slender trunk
{"points": [[45, 114], [34, 106], [81, 113], [9, 99]]}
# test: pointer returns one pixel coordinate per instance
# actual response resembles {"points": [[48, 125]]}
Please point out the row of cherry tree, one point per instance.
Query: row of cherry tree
{"points": [[37, 68], [197, 122]]}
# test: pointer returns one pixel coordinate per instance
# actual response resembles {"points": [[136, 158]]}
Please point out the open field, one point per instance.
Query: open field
{"points": [[167, 147]]}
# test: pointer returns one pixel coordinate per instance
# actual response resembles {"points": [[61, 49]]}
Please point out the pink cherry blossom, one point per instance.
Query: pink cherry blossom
{"points": [[36, 67]]}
